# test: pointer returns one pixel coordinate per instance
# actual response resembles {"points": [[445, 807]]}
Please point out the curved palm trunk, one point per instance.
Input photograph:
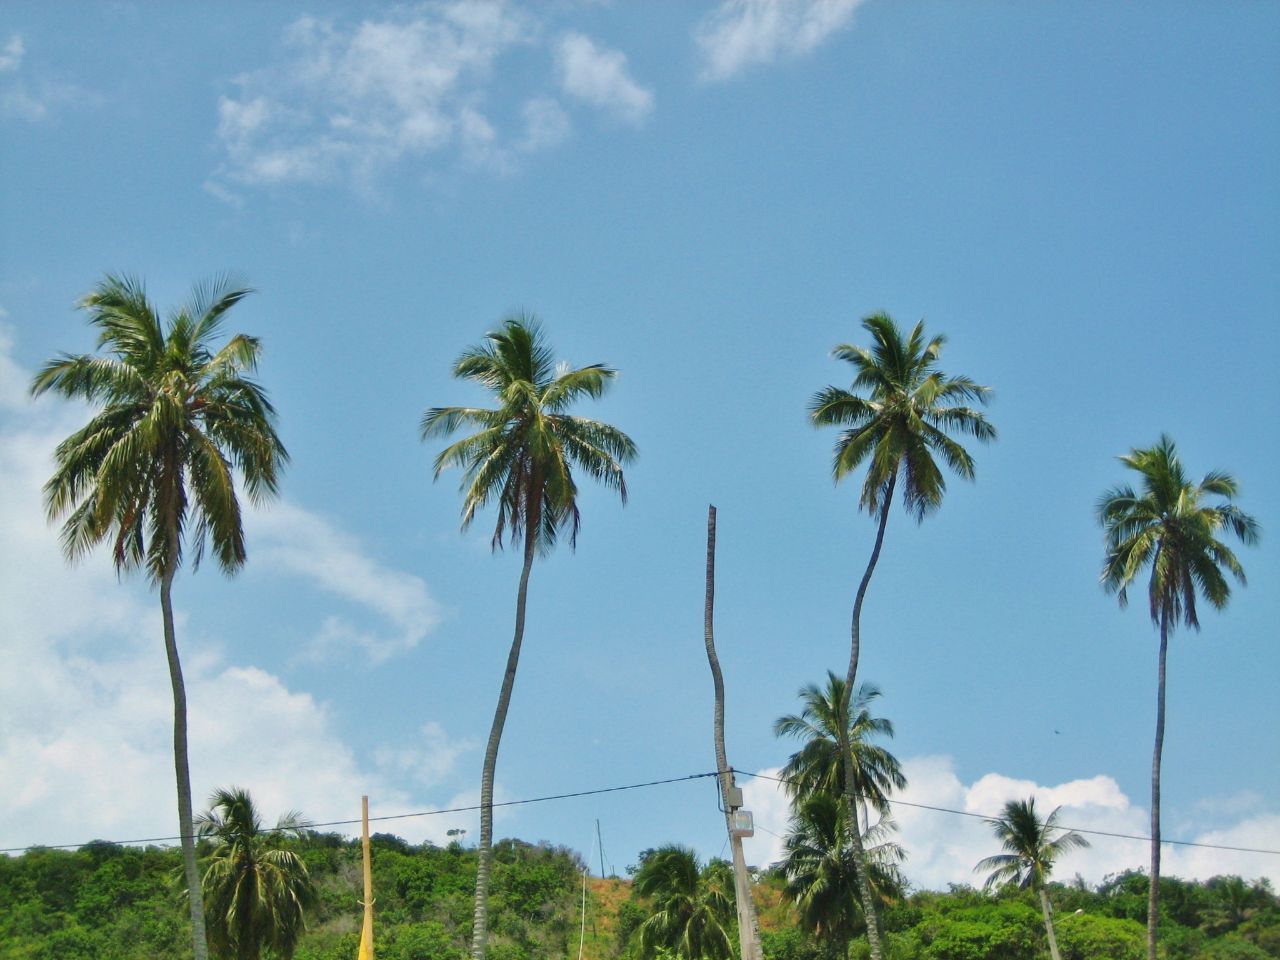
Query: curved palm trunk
{"points": [[1048, 924], [869, 908], [1153, 897], [195, 895], [480, 924], [748, 925]]}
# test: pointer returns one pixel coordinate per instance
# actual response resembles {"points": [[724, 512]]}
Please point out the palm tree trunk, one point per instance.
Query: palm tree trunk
{"points": [[748, 925], [480, 924], [195, 895], [1048, 924], [870, 911], [1153, 897]]}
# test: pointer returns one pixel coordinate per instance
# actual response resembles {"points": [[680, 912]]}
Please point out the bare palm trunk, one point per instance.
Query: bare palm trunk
{"points": [[195, 895], [1048, 924], [480, 925], [748, 926], [870, 911], [1153, 897]]}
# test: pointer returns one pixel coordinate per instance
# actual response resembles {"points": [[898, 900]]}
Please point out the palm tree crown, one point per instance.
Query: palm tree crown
{"points": [[1170, 526], [179, 418], [903, 419], [818, 766], [524, 449], [821, 866], [1030, 853], [256, 891], [693, 909]]}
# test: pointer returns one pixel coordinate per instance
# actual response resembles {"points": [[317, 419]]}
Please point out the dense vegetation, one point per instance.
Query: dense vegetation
{"points": [[105, 902]]}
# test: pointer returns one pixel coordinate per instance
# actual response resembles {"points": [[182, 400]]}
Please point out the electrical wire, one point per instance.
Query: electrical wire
{"points": [[638, 786], [1097, 833], [392, 816]]}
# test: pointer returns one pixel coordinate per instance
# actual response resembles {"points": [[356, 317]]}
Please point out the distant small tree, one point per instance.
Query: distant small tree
{"points": [[1030, 855], [256, 890], [692, 908]]}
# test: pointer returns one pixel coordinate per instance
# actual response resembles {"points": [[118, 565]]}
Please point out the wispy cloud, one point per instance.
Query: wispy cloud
{"points": [[599, 76], [295, 541], [428, 84], [744, 33], [23, 97]]}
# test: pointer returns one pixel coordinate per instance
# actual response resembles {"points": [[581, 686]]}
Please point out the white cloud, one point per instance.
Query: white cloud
{"points": [[85, 709], [942, 848], [546, 124], [11, 54], [290, 539], [351, 101], [743, 33], [599, 77], [25, 98]]}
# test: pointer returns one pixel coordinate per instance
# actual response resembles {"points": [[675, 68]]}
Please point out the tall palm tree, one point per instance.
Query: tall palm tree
{"points": [[178, 418], [1170, 526], [896, 416], [693, 908], [822, 870], [257, 891], [818, 766], [1030, 854], [521, 457]]}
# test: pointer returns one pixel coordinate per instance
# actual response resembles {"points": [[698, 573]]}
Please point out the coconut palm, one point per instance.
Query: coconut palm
{"points": [[1170, 526], [818, 767], [1030, 854], [178, 418], [521, 458], [256, 890], [896, 416], [692, 907], [821, 868]]}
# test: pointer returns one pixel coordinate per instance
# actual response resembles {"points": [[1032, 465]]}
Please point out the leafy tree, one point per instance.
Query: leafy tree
{"points": [[818, 767], [822, 872], [692, 908], [896, 417], [177, 419], [521, 457], [1030, 855], [257, 890], [1170, 526]]}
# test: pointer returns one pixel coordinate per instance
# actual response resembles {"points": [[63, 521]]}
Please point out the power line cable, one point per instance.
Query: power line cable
{"points": [[391, 816], [1098, 833]]}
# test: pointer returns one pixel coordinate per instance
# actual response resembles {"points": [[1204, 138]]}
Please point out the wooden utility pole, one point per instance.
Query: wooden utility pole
{"points": [[366, 932], [748, 929]]}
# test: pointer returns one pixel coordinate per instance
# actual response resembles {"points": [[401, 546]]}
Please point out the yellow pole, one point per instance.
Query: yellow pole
{"points": [[366, 933]]}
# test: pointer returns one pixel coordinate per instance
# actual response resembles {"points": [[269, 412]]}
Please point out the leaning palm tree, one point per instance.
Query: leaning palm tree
{"points": [[1170, 526], [178, 419], [521, 458], [692, 908], [255, 889], [896, 417], [822, 870], [818, 766], [1030, 855]]}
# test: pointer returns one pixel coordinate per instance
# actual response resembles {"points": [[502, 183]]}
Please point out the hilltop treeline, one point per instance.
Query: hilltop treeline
{"points": [[107, 902]]}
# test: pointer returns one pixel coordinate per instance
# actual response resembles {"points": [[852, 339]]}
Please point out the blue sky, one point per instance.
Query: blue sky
{"points": [[1082, 197]]}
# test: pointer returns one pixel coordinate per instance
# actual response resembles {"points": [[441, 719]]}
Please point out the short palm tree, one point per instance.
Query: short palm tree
{"points": [[896, 416], [1030, 855], [822, 869], [178, 418], [256, 890], [692, 908], [1170, 526], [521, 458], [818, 766]]}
